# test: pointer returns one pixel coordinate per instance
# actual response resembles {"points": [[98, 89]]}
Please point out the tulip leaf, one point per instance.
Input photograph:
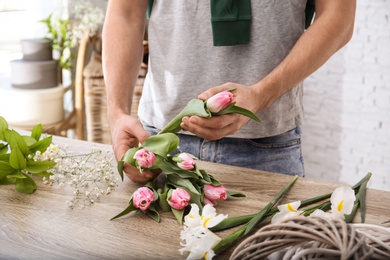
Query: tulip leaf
{"points": [[162, 200], [25, 185], [235, 194], [233, 109], [177, 181], [178, 214], [120, 168], [129, 209], [153, 213], [17, 160], [195, 107], [162, 144], [39, 166]]}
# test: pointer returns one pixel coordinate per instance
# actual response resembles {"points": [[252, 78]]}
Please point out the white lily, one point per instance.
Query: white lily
{"points": [[287, 211], [342, 201], [199, 240], [207, 219]]}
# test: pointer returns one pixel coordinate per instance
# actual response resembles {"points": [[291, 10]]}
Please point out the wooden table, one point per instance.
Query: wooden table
{"points": [[41, 226]]}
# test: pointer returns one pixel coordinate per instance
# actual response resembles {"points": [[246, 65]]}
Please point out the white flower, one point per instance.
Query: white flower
{"points": [[208, 219], [342, 201], [199, 240], [84, 172], [287, 211]]}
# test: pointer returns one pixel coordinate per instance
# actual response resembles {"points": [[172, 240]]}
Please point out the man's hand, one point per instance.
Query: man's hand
{"points": [[218, 127], [127, 132]]}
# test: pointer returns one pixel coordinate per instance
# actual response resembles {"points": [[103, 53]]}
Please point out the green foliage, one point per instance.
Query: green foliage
{"points": [[16, 157], [58, 31]]}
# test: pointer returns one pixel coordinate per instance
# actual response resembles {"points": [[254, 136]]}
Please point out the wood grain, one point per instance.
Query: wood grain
{"points": [[41, 226]]}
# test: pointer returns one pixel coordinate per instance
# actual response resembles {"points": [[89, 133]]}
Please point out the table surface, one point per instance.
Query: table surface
{"points": [[41, 226]]}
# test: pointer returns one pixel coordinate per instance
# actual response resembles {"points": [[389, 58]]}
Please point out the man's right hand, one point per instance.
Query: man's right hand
{"points": [[127, 132]]}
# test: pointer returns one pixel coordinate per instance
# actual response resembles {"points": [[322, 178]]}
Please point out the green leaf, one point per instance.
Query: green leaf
{"points": [[37, 132], [14, 139], [235, 194], [29, 140], [153, 213], [178, 214], [120, 168], [25, 185], [162, 200], [129, 209], [3, 126], [8, 181], [162, 144], [233, 109], [43, 174], [17, 159], [40, 166], [5, 169], [18, 175], [3, 148], [177, 181], [41, 145], [194, 107], [259, 216]]}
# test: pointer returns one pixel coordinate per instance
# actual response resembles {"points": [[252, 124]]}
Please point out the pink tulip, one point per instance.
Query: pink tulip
{"points": [[214, 193], [188, 163], [210, 202], [142, 198], [219, 101], [179, 199], [145, 159]]}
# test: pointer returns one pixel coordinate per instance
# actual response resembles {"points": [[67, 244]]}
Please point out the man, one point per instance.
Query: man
{"points": [[200, 48]]}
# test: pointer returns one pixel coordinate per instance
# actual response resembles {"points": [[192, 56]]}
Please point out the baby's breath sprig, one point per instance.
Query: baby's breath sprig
{"points": [[90, 174]]}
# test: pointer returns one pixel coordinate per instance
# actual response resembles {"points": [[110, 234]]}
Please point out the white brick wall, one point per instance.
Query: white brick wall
{"points": [[347, 105]]}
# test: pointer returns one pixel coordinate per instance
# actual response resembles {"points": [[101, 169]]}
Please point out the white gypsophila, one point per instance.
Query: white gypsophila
{"points": [[86, 19], [91, 175]]}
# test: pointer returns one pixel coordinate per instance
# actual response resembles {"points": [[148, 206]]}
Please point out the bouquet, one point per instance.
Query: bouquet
{"points": [[180, 182]]}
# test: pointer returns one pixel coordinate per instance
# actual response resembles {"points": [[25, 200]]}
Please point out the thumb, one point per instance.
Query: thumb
{"points": [[214, 90], [140, 133]]}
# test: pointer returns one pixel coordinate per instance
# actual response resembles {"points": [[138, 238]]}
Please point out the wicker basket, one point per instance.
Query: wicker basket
{"points": [[95, 97], [316, 238]]}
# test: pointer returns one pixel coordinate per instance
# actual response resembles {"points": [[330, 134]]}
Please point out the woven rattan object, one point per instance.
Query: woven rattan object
{"points": [[316, 238]]}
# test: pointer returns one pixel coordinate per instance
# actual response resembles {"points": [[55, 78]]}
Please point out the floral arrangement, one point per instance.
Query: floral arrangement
{"points": [[23, 157], [180, 182], [200, 240]]}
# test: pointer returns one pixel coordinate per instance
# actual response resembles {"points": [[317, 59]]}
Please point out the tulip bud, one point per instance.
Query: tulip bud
{"points": [[142, 198], [145, 159], [219, 101], [214, 193], [179, 199], [188, 163]]}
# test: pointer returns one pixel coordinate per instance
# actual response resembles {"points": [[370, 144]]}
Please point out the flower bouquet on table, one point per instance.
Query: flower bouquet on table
{"points": [[200, 240], [180, 182]]}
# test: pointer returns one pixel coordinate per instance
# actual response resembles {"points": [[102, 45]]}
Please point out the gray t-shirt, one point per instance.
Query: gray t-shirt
{"points": [[183, 61]]}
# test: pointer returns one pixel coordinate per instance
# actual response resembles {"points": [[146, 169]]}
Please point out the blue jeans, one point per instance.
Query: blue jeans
{"points": [[281, 153]]}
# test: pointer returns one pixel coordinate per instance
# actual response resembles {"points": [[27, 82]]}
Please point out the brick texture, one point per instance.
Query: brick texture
{"points": [[346, 132]]}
